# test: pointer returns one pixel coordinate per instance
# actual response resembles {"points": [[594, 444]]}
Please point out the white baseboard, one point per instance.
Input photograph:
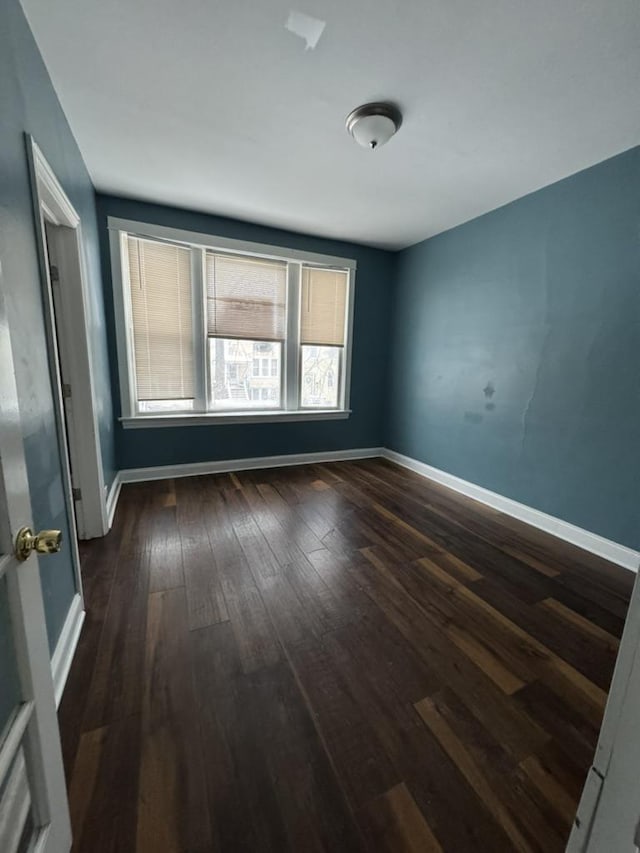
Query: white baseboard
{"points": [[616, 553], [66, 647], [112, 498], [224, 466], [620, 554]]}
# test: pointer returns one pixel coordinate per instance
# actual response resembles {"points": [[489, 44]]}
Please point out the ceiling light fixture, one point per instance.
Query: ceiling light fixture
{"points": [[371, 125]]}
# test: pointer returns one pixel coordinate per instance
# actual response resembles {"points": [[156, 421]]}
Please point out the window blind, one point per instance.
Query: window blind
{"points": [[162, 314], [246, 297], [323, 306]]}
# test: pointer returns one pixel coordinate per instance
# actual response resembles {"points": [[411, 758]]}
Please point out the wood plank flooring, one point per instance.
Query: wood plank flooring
{"points": [[338, 657]]}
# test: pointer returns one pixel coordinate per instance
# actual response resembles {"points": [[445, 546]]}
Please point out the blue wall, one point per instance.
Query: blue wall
{"points": [[516, 350], [370, 357], [28, 104]]}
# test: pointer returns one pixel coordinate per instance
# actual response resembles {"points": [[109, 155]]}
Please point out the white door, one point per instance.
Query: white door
{"points": [[34, 814], [608, 818]]}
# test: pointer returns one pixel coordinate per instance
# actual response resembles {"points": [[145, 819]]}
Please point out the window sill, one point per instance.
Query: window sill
{"points": [[220, 418]]}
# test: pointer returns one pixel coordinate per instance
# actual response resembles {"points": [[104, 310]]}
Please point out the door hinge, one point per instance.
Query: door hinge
{"points": [[54, 273], [66, 390], [77, 494]]}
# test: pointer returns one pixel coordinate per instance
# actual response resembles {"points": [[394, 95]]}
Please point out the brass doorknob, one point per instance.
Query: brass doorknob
{"points": [[45, 542]]}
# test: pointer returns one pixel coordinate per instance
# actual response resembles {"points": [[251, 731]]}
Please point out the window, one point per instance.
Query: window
{"points": [[322, 335], [212, 328]]}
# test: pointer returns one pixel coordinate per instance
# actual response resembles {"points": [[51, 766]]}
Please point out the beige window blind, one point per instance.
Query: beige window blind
{"points": [[323, 305], [246, 297], [162, 313]]}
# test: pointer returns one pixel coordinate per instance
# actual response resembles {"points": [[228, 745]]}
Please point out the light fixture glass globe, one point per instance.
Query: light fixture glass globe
{"points": [[372, 125], [373, 131]]}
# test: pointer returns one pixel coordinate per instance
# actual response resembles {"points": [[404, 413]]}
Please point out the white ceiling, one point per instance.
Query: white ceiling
{"points": [[215, 105]]}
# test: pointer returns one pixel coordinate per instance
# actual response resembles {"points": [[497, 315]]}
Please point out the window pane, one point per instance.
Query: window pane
{"points": [[323, 306], [161, 406], [319, 377], [242, 374], [246, 296], [162, 318]]}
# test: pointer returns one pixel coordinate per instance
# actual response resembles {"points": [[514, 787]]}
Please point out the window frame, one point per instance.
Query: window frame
{"points": [[291, 348]]}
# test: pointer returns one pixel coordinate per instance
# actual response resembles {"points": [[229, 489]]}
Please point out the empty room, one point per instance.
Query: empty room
{"points": [[319, 426]]}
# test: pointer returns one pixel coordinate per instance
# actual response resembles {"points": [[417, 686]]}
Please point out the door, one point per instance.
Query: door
{"points": [[34, 814], [608, 817]]}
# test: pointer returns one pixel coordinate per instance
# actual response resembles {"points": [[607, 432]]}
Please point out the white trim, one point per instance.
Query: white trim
{"points": [[178, 235], [620, 554], [112, 498], [200, 322], [68, 335], [51, 204], [66, 646], [224, 466], [220, 418], [348, 349], [52, 197], [122, 315], [291, 355]]}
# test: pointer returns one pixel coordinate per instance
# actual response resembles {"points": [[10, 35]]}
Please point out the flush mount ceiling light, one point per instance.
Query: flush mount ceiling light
{"points": [[371, 125]]}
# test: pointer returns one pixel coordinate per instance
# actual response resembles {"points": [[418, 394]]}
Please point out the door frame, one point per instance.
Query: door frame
{"points": [[68, 339]]}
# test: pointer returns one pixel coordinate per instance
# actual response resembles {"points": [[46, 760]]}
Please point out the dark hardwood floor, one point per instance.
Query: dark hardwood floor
{"points": [[333, 657]]}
